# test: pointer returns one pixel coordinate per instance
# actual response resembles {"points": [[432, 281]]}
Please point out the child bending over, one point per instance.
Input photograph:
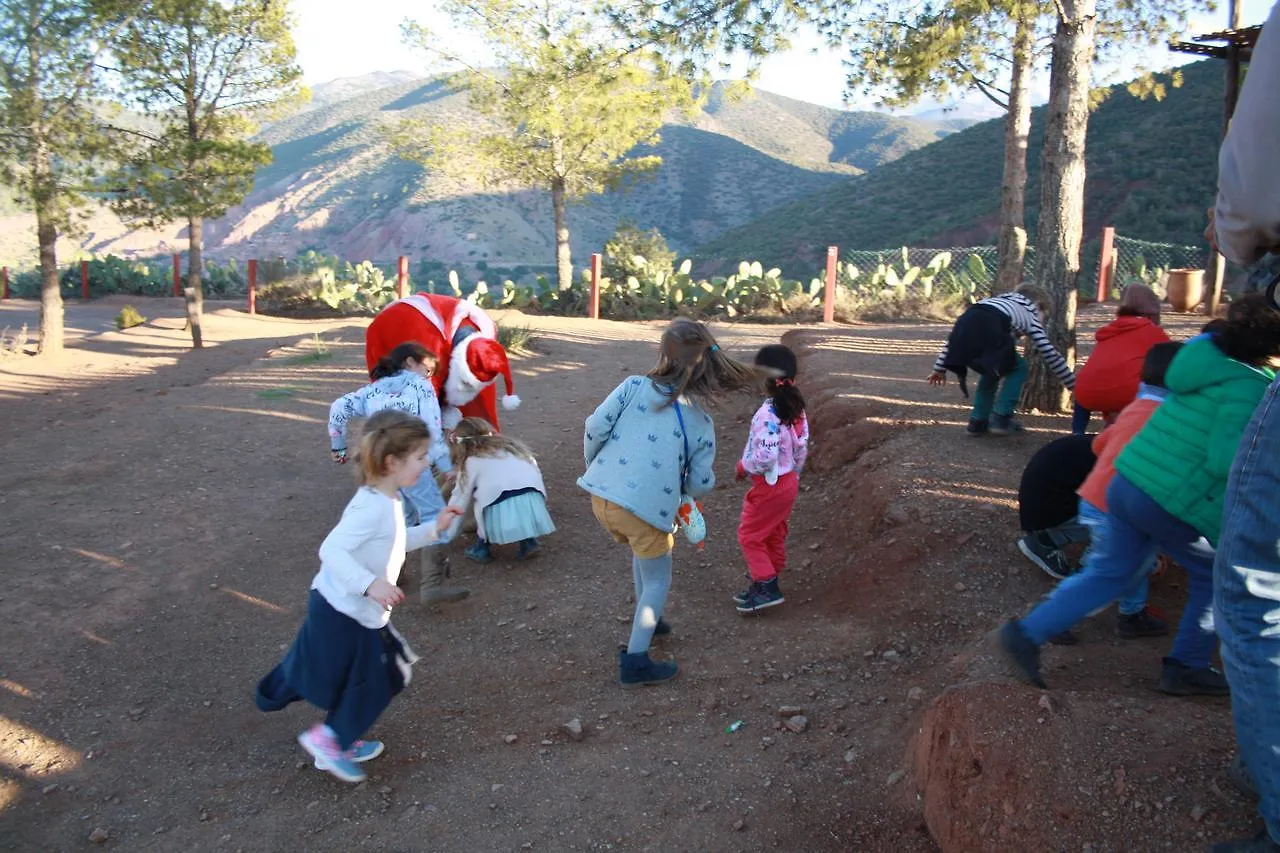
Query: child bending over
{"points": [[499, 477], [984, 340]]}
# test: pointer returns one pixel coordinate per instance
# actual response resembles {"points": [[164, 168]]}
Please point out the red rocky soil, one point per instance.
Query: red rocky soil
{"points": [[161, 512]]}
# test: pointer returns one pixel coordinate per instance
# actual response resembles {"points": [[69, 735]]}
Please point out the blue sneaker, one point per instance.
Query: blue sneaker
{"points": [[360, 752], [323, 747], [529, 548], [479, 552]]}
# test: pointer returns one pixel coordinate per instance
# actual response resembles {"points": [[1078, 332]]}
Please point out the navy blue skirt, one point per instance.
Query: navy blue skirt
{"points": [[338, 665]]}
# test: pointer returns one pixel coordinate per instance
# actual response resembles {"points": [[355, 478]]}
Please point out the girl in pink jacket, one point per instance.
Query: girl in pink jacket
{"points": [[775, 453]]}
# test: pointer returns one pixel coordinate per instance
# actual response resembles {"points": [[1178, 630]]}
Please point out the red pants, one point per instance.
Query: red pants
{"points": [[762, 530]]}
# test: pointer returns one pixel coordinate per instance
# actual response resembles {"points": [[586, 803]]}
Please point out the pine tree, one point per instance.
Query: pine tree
{"points": [[208, 70], [565, 106], [50, 137]]}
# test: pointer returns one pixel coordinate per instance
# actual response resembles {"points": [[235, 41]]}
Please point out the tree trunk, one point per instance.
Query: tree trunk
{"points": [[194, 292], [50, 287], [1062, 171], [1017, 127], [564, 258]]}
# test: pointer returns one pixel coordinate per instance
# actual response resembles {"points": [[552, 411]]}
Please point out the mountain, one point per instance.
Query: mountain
{"points": [[335, 187], [1152, 172], [342, 88]]}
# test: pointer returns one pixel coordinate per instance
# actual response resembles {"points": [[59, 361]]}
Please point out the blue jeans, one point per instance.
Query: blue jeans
{"points": [[985, 399], [1099, 582], [1139, 525], [1080, 420], [1246, 598]]}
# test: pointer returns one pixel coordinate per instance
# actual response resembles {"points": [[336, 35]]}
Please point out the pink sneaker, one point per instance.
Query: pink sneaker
{"points": [[323, 747]]}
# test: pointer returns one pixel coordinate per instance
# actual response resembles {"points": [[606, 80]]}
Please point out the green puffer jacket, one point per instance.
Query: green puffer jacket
{"points": [[1181, 458]]}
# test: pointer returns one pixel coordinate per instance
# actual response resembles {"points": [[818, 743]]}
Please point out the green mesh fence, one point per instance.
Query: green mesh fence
{"points": [[972, 264], [1147, 262]]}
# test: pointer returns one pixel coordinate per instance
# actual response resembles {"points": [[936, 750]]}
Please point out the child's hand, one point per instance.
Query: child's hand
{"points": [[740, 473], [446, 517], [448, 476], [339, 456], [938, 377], [388, 595]]}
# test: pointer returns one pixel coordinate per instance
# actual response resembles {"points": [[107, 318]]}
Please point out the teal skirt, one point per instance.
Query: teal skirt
{"points": [[517, 518]]}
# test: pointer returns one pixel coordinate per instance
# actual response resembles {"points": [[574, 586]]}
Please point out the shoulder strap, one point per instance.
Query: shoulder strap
{"points": [[684, 470]]}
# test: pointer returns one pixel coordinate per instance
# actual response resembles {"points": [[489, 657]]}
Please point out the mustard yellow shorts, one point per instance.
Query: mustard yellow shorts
{"points": [[646, 541]]}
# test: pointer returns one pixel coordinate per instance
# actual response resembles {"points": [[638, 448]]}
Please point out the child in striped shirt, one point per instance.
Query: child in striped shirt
{"points": [[984, 340]]}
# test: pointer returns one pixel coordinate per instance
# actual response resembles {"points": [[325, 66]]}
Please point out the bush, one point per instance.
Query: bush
{"points": [[128, 318], [634, 252]]}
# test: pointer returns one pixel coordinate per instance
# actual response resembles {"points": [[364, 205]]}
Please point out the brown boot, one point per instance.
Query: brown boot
{"points": [[434, 568]]}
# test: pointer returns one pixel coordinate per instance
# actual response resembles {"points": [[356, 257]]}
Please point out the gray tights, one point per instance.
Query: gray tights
{"points": [[652, 579]]}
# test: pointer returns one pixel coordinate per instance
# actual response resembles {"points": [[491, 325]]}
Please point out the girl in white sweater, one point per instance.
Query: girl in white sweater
{"points": [[347, 659], [500, 478]]}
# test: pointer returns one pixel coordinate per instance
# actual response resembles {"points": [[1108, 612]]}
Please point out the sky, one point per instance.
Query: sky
{"points": [[332, 42]]}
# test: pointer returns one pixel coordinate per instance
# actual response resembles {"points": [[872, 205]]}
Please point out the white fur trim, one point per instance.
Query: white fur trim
{"points": [[465, 310], [426, 309], [510, 401], [461, 386], [450, 417]]}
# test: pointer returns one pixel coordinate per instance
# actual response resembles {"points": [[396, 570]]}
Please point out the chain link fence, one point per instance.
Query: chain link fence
{"points": [[1146, 262], [978, 264]]}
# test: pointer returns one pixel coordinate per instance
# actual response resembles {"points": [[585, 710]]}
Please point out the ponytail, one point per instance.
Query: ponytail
{"points": [[788, 403], [393, 362]]}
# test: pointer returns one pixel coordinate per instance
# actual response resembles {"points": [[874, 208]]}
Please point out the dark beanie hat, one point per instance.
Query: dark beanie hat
{"points": [[780, 359]]}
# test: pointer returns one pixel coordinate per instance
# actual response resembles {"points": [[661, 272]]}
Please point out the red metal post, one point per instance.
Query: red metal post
{"points": [[402, 277], [253, 286], [4, 283], [84, 280], [593, 305], [177, 274], [1105, 264], [829, 295]]}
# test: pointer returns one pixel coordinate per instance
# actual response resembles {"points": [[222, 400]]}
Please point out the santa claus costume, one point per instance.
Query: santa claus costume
{"points": [[466, 341]]}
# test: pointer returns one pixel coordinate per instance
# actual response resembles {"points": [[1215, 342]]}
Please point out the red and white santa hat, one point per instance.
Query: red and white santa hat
{"points": [[476, 362]]}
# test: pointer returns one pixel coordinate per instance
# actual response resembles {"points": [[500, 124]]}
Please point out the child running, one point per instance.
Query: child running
{"points": [[500, 478], [983, 340], [347, 659], [402, 381], [1092, 587], [650, 441], [776, 449]]}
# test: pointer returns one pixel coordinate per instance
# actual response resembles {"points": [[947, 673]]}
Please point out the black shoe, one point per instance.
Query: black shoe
{"points": [[1005, 425], [529, 548], [1066, 638], [1141, 624], [1260, 843], [976, 427], [1178, 679], [1020, 653], [1241, 779], [762, 594], [662, 628], [1051, 560], [640, 670]]}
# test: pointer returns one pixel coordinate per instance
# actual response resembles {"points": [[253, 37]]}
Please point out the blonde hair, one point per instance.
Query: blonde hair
{"points": [[388, 433], [477, 437], [692, 365]]}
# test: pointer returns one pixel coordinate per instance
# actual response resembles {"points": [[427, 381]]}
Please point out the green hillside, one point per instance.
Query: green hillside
{"points": [[1152, 172], [335, 187]]}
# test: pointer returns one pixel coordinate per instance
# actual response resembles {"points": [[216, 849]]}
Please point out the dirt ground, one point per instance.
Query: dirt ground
{"points": [[160, 511]]}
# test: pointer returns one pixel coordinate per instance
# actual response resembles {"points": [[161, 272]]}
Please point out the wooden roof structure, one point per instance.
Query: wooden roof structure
{"points": [[1241, 41]]}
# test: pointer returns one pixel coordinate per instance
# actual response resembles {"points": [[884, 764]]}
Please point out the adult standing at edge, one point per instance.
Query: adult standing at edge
{"points": [[1245, 226]]}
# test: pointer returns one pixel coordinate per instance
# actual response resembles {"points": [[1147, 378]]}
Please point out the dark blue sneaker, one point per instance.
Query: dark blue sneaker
{"points": [[529, 548], [1022, 655], [977, 426], [479, 552], [640, 670], [762, 595], [1178, 679], [662, 629]]}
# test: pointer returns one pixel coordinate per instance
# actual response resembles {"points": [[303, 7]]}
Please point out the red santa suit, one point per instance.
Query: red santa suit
{"points": [[464, 339]]}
